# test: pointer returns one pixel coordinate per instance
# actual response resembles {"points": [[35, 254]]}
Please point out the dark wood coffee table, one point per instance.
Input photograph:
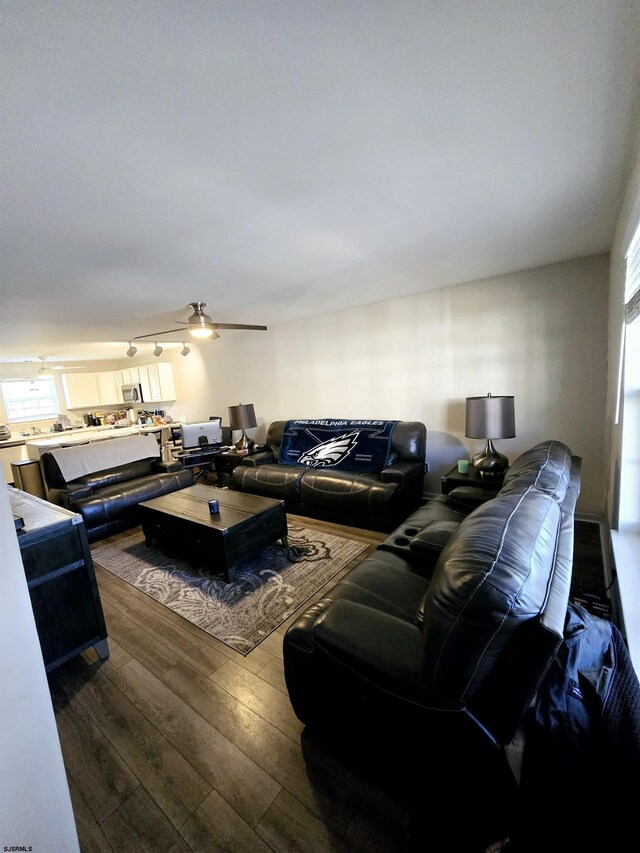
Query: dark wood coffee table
{"points": [[181, 521]]}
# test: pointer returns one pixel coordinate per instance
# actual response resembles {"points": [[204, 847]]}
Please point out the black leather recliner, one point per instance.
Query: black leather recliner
{"points": [[440, 667], [376, 501]]}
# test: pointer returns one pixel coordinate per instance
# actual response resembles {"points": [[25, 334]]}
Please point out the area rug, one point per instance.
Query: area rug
{"points": [[268, 587]]}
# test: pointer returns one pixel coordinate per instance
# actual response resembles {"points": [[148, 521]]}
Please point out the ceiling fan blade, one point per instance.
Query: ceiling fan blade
{"points": [[157, 334], [238, 326]]}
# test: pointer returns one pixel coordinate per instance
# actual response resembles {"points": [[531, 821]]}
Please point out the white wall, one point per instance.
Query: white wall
{"points": [[35, 807], [539, 334]]}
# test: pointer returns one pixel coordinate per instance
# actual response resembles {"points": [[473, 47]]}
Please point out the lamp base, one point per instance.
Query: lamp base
{"points": [[489, 463], [244, 444]]}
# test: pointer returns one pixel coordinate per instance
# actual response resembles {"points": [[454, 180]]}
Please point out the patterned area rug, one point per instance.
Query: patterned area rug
{"points": [[268, 588]]}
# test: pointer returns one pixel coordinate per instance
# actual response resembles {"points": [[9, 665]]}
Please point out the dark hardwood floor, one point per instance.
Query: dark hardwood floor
{"points": [[179, 743]]}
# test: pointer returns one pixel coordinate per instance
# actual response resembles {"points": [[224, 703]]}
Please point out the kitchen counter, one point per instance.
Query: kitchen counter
{"points": [[21, 447], [38, 445]]}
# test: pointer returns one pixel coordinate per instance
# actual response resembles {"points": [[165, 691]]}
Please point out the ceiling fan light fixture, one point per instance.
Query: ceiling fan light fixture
{"points": [[201, 332], [185, 349], [158, 350], [132, 350], [201, 324]]}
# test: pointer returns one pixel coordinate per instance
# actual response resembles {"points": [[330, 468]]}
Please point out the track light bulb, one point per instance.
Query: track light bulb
{"points": [[158, 350], [132, 350], [185, 349]]}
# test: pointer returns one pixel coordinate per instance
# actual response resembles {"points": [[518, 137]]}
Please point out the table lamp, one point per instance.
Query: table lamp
{"points": [[243, 417], [490, 417]]}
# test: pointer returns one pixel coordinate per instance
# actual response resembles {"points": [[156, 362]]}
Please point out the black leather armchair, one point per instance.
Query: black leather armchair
{"points": [[373, 500]]}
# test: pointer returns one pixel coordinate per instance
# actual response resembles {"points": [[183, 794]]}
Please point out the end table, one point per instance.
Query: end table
{"points": [[453, 478]]}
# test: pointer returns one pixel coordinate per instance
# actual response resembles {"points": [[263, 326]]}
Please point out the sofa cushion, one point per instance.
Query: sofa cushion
{"points": [[384, 582], [270, 481], [546, 466], [346, 491]]}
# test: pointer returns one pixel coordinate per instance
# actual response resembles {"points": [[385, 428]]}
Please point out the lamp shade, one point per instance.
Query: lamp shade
{"points": [[242, 416], [490, 417]]}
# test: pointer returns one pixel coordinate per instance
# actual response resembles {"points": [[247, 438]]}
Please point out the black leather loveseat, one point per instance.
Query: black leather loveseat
{"points": [[375, 500], [107, 495], [438, 665]]}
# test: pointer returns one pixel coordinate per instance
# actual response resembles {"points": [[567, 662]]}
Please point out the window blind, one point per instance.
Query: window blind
{"points": [[632, 286]]}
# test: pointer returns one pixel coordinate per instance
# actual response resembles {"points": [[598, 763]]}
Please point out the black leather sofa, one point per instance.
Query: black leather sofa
{"points": [[437, 662], [108, 499], [377, 501]]}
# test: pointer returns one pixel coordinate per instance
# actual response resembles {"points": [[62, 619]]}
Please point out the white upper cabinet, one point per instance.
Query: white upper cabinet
{"points": [[80, 390], [156, 381], [109, 388], [86, 390], [162, 382], [129, 376]]}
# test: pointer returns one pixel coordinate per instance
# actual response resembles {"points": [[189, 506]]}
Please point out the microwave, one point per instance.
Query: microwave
{"points": [[132, 393]]}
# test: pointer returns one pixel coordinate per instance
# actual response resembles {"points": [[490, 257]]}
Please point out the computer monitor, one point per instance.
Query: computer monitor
{"points": [[201, 434]]}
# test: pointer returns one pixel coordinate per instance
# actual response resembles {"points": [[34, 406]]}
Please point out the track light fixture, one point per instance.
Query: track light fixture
{"points": [[185, 349], [158, 350], [132, 350]]}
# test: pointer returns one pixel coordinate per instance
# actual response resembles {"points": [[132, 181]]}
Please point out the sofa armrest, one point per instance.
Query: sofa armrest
{"points": [[67, 496], [262, 458], [433, 537], [399, 472], [467, 498], [386, 651], [161, 467]]}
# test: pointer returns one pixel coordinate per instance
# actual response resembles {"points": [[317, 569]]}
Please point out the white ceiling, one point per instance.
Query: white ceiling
{"points": [[278, 160]]}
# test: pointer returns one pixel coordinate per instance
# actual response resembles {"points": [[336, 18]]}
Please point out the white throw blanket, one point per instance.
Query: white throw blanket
{"points": [[84, 459]]}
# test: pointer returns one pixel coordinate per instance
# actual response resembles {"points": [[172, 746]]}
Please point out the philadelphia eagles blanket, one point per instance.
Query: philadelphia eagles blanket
{"points": [[350, 445]]}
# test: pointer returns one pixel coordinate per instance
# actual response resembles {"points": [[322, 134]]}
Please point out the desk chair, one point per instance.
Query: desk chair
{"points": [[226, 431]]}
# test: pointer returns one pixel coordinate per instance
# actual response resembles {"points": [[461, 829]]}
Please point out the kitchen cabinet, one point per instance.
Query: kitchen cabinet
{"points": [[160, 383], [143, 379], [88, 390], [109, 387], [80, 390], [166, 381], [129, 376], [156, 381]]}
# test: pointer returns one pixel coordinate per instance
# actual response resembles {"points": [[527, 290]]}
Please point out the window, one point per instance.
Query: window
{"points": [[629, 506], [33, 400]]}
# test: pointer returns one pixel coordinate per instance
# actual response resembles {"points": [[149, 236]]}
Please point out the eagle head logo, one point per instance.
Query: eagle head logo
{"points": [[329, 452]]}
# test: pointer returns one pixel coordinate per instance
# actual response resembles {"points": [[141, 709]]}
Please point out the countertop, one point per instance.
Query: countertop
{"points": [[47, 440]]}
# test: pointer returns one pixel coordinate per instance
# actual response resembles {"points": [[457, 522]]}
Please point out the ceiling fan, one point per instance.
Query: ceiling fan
{"points": [[200, 325], [45, 369]]}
